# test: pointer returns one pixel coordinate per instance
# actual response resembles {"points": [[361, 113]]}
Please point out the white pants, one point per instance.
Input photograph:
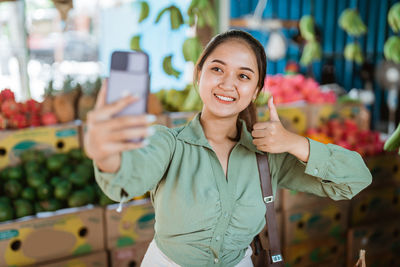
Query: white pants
{"points": [[154, 257]]}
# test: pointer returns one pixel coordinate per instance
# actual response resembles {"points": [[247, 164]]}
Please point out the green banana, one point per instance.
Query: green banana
{"points": [[306, 26], [393, 142], [161, 13], [353, 52], [167, 67], [175, 17], [144, 11], [394, 17], [311, 52], [191, 49], [204, 12], [351, 22], [135, 43]]}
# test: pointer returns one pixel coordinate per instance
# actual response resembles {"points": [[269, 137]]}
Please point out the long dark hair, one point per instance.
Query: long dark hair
{"points": [[249, 114]]}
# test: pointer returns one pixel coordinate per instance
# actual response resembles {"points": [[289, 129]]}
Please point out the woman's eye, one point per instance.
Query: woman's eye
{"points": [[243, 76], [216, 69]]}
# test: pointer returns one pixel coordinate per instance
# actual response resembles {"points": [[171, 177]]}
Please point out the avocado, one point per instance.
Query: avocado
{"points": [[55, 162], [28, 193], [78, 198], [36, 179], [22, 208], [12, 189], [76, 154], [5, 200], [62, 190], [55, 180], [44, 191], [31, 167], [6, 212], [4, 173], [91, 192], [33, 155], [85, 171], [105, 200], [51, 204], [77, 179], [65, 171], [16, 173]]}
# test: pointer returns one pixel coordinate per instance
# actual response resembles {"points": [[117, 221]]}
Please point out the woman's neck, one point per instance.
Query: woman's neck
{"points": [[218, 129]]}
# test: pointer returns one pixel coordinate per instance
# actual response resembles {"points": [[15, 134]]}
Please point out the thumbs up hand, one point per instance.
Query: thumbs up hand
{"points": [[271, 136]]}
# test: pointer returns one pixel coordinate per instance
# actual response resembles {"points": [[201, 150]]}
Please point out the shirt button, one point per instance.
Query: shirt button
{"points": [[216, 260], [217, 237], [315, 171]]}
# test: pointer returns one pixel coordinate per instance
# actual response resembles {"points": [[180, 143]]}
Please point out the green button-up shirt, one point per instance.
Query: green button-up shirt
{"points": [[204, 218]]}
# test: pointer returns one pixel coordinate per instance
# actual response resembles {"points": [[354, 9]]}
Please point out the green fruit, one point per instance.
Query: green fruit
{"points": [[393, 142], [33, 155], [31, 167], [176, 17], [51, 205], [23, 208], [16, 173], [144, 11], [5, 200], [44, 191], [86, 171], [191, 49], [4, 173], [28, 193], [168, 68], [56, 180], [36, 179], [78, 198], [78, 180], [62, 190], [91, 193], [105, 200], [6, 212], [12, 189], [55, 162], [66, 171], [306, 26], [38, 208], [76, 154]]}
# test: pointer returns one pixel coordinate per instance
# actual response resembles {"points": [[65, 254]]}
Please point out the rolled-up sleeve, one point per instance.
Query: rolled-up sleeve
{"points": [[141, 169], [331, 171]]}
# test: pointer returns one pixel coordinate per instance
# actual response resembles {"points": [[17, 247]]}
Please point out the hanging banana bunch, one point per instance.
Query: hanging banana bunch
{"points": [[168, 68], [175, 16], [351, 22], [144, 11], [312, 50], [204, 12], [394, 18], [191, 49], [391, 49]]}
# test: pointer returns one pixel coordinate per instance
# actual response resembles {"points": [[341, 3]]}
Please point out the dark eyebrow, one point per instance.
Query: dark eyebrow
{"points": [[223, 63]]}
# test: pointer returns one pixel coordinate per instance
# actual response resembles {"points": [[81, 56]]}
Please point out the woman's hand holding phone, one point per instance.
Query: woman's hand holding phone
{"points": [[107, 136]]}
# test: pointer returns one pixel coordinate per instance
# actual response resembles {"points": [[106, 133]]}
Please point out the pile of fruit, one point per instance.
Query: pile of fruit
{"points": [[293, 88], [187, 99], [347, 134], [16, 115], [48, 183]]}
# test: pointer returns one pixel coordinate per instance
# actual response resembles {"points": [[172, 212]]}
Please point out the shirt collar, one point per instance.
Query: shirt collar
{"points": [[193, 133]]}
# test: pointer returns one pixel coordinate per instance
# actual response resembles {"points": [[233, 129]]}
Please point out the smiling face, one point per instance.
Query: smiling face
{"points": [[228, 79]]}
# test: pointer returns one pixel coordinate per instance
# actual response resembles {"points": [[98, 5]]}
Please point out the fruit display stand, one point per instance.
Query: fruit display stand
{"points": [[57, 138], [56, 235]]}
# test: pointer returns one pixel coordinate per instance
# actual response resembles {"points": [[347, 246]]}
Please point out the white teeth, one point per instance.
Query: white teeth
{"points": [[225, 98]]}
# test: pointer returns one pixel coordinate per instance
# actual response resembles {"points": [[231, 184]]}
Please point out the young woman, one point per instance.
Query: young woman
{"points": [[203, 177]]}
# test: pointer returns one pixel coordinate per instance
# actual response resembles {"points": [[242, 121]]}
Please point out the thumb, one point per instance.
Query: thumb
{"points": [[273, 114]]}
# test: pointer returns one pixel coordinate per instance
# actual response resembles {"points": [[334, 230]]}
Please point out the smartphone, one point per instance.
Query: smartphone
{"points": [[129, 75]]}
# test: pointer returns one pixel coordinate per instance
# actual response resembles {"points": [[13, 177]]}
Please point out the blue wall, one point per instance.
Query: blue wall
{"points": [[326, 14]]}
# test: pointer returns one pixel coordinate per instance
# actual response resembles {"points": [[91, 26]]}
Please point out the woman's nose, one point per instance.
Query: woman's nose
{"points": [[227, 82]]}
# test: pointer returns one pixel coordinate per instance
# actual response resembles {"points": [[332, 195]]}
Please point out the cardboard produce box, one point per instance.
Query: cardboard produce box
{"points": [[327, 252], [293, 199], [56, 138], [375, 239], [129, 256], [98, 259], [316, 221], [385, 168], [49, 238], [319, 114], [375, 204], [135, 223], [293, 117]]}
